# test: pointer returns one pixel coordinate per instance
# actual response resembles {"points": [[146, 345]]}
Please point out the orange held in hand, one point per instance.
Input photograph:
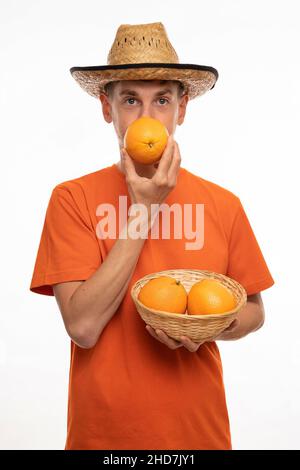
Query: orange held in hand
{"points": [[209, 296], [145, 140], [164, 293]]}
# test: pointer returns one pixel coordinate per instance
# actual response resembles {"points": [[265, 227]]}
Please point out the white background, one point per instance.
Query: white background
{"points": [[243, 135]]}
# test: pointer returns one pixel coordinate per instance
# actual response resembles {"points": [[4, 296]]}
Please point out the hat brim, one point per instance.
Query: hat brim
{"points": [[197, 79]]}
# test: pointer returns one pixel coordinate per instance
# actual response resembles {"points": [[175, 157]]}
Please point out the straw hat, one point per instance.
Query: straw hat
{"points": [[144, 52]]}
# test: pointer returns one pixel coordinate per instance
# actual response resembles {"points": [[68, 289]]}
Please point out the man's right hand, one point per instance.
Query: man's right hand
{"points": [[153, 190]]}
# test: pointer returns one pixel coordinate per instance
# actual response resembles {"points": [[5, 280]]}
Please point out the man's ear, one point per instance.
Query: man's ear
{"points": [[183, 101], [106, 107]]}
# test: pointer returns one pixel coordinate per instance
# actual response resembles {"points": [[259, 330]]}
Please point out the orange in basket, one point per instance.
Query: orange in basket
{"points": [[208, 297], [164, 293]]}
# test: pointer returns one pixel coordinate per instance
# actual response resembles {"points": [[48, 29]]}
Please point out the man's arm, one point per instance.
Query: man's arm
{"points": [[87, 306]]}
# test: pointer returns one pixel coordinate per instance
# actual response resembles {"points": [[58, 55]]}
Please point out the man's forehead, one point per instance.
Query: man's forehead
{"points": [[138, 84]]}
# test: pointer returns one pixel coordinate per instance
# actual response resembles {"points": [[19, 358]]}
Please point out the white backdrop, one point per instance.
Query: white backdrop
{"points": [[243, 135]]}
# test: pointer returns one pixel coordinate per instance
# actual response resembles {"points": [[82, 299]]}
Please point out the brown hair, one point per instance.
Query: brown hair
{"points": [[109, 87]]}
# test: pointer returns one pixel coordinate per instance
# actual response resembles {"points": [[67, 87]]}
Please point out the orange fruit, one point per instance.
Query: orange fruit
{"points": [[164, 293], [145, 140], [209, 296]]}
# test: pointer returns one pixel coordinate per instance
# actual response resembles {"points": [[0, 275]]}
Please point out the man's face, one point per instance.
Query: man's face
{"points": [[133, 99]]}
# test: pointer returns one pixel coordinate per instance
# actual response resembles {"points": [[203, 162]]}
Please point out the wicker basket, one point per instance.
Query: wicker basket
{"points": [[197, 327]]}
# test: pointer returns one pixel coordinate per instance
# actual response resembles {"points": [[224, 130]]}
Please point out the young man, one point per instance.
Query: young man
{"points": [[132, 387]]}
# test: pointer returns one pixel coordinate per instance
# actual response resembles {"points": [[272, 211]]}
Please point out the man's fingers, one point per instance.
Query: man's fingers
{"points": [[189, 344], [128, 165], [175, 164], [232, 325], [172, 343], [163, 337], [152, 333], [226, 333], [165, 160]]}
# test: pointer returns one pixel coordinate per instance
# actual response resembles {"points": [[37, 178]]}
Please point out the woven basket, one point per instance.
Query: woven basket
{"points": [[197, 327]]}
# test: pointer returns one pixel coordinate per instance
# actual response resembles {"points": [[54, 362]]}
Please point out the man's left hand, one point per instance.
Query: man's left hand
{"points": [[190, 345]]}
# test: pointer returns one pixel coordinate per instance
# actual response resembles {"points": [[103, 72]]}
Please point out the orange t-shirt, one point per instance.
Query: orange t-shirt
{"points": [[130, 391]]}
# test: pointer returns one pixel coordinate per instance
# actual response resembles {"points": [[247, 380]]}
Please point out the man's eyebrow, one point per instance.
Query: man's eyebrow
{"points": [[134, 93]]}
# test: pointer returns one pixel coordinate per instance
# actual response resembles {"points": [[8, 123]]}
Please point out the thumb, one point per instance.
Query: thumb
{"points": [[234, 324], [128, 163]]}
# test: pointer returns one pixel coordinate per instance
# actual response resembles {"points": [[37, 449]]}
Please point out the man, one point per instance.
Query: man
{"points": [[130, 389]]}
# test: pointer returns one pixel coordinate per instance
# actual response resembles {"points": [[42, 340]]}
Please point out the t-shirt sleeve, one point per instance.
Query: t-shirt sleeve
{"points": [[246, 263], [68, 248]]}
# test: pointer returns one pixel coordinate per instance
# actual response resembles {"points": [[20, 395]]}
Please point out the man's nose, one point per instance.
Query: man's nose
{"points": [[146, 110]]}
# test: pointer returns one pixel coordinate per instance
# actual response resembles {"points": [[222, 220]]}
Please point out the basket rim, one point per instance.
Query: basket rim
{"points": [[191, 317], [187, 315]]}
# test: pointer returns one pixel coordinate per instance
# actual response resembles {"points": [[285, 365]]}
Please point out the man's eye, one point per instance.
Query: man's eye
{"points": [[129, 100], [163, 99]]}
